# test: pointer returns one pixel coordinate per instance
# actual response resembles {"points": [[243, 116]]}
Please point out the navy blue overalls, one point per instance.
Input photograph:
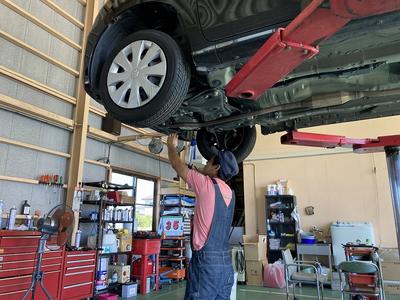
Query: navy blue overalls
{"points": [[210, 275]]}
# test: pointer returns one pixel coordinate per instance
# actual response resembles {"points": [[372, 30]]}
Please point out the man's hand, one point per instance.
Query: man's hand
{"points": [[172, 141], [177, 163]]}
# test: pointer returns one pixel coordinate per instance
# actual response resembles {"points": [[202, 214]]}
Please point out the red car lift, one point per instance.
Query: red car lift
{"points": [[288, 47], [388, 144]]}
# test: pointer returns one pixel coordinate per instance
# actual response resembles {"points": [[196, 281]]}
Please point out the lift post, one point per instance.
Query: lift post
{"points": [[388, 144]]}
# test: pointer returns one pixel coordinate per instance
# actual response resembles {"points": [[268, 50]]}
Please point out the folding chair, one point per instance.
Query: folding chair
{"points": [[294, 276], [361, 278]]}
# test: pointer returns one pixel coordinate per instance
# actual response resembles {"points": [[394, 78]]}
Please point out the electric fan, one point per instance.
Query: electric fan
{"points": [[58, 224]]}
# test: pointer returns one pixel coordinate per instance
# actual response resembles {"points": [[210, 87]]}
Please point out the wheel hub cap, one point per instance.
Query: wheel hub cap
{"points": [[136, 74]]}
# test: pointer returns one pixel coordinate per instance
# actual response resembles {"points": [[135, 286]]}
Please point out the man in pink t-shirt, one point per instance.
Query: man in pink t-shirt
{"points": [[210, 274]]}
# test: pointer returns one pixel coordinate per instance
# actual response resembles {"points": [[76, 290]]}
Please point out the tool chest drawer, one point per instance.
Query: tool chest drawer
{"points": [[77, 291], [30, 263], [79, 273], [28, 270], [19, 241], [79, 255], [18, 256], [78, 277], [14, 287], [23, 256], [71, 270], [80, 263]]}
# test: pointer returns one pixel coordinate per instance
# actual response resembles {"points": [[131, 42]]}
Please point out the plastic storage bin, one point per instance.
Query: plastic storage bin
{"points": [[108, 296]]}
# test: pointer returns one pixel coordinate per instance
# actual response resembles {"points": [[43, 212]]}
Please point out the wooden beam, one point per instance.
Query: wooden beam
{"points": [[63, 13], [102, 113], [79, 137], [19, 179], [176, 182], [11, 5], [22, 180], [38, 53], [33, 147], [83, 2], [97, 163], [132, 146], [34, 112], [101, 135], [97, 111], [37, 85]]}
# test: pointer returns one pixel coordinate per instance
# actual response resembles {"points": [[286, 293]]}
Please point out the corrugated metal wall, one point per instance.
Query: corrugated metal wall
{"points": [[32, 143]]}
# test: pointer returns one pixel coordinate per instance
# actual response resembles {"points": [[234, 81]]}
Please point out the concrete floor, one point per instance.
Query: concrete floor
{"points": [[177, 292]]}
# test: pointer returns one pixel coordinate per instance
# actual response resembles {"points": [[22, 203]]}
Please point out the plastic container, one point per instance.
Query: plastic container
{"points": [[308, 239], [11, 218], [110, 243], [78, 238], [146, 246], [108, 296], [129, 290]]}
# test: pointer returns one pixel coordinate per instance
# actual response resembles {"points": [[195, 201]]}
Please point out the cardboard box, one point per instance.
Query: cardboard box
{"points": [[125, 199], [255, 272], [255, 247], [391, 270], [389, 254], [125, 243], [392, 287], [123, 272]]}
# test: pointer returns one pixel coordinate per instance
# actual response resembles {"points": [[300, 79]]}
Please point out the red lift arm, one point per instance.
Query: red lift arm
{"points": [[332, 141], [388, 144], [288, 47]]}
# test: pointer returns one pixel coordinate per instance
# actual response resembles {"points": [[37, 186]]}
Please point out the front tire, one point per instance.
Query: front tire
{"points": [[145, 79], [239, 141]]}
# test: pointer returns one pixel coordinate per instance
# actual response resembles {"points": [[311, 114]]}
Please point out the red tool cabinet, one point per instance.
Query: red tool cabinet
{"points": [[146, 247], [79, 272], [17, 263]]}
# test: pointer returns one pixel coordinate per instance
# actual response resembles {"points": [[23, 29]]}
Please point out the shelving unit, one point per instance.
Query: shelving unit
{"points": [[187, 211], [284, 230], [101, 204], [172, 259]]}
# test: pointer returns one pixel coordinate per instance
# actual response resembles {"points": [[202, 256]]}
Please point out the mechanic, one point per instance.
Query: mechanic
{"points": [[210, 274]]}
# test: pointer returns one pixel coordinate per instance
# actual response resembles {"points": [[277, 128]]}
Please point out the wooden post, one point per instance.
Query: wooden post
{"points": [[78, 148]]}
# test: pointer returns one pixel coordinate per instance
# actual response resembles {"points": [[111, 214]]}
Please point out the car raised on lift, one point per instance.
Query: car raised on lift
{"points": [[164, 65]]}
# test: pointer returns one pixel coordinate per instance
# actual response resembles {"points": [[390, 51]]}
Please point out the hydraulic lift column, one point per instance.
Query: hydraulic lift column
{"points": [[393, 164]]}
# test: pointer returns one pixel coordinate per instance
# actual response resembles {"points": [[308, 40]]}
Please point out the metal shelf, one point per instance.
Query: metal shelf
{"points": [[172, 248], [108, 186], [117, 222], [286, 222], [109, 203], [115, 253], [87, 220], [162, 258]]}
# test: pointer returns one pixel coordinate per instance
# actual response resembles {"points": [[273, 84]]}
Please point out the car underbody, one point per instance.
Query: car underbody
{"points": [[354, 77]]}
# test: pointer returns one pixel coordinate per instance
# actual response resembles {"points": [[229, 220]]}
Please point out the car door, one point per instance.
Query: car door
{"points": [[239, 27], [221, 19]]}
